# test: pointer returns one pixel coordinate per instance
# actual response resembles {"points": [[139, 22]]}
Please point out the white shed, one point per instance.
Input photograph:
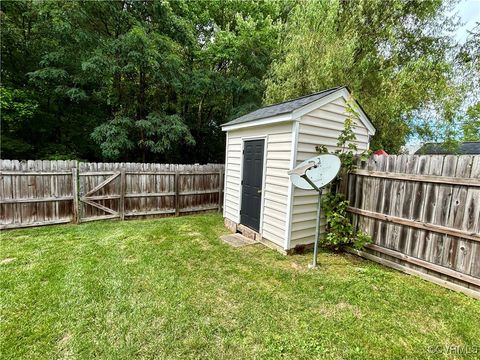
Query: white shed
{"points": [[260, 201]]}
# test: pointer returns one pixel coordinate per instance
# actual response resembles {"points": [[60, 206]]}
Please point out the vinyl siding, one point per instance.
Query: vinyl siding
{"points": [[278, 151], [319, 127]]}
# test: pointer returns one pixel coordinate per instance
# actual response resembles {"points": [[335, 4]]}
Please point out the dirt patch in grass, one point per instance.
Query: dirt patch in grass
{"points": [[63, 342], [7, 261]]}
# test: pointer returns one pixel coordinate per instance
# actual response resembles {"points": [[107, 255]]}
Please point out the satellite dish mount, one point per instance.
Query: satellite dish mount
{"points": [[314, 174]]}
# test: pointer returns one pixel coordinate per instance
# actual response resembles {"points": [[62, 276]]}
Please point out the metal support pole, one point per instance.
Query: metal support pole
{"points": [[317, 229]]}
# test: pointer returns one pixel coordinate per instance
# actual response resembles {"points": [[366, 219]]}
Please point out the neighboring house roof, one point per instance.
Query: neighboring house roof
{"points": [[467, 148], [278, 112]]}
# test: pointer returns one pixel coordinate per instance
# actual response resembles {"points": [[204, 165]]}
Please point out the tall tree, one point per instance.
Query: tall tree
{"points": [[140, 71], [470, 58], [42, 47], [132, 80], [393, 55]]}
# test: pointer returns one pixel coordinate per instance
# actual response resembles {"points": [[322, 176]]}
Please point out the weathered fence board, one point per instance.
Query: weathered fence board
{"points": [[148, 189], [34, 193], [423, 213]]}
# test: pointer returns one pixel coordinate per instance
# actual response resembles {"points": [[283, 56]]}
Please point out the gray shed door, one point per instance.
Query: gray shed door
{"points": [[252, 183]]}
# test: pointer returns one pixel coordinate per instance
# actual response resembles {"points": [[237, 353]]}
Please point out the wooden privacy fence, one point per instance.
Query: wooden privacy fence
{"points": [[423, 213], [34, 193]]}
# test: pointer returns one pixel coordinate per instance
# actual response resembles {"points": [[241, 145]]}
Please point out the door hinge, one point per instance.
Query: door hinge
{"points": [[241, 182]]}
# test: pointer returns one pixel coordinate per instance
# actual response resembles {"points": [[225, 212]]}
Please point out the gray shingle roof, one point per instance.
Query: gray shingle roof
{"points": [[281, 108], [468, 147]]}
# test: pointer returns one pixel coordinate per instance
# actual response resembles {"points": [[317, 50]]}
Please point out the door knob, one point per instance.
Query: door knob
{"points": [[259, 191]]}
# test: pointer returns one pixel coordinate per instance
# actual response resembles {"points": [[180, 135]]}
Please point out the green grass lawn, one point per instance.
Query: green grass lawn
{"points": [[170, 288]]}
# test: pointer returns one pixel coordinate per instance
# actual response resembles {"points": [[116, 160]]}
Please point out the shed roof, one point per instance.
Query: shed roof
{"points": [[292, 109], [281, 108], [468, 147]]}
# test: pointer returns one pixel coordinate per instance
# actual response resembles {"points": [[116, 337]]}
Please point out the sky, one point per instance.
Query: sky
{"points": [[469, 13]]}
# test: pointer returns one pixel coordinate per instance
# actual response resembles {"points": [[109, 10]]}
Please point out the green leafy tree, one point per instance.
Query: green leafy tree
{"points": [[471, 125], [18, 109], [145, 80], [135, 80], [393, 55], [470, 58], [42, 43], [140, 71]]}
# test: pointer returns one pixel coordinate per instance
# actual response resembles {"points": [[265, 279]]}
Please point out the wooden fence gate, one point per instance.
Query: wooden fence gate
{"points": [[104, 199]]}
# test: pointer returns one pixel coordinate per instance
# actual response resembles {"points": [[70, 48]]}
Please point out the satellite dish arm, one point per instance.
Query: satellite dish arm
{"points": [[301, 170], [312, 184]]}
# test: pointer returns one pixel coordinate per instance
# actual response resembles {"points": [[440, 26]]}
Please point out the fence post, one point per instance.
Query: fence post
{"points": [[121, 204], [75, 195], [343, 184], [220, 189], [177, 192]]}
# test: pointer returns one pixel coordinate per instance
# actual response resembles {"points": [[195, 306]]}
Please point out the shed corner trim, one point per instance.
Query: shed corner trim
{"points": [[293, 161]]}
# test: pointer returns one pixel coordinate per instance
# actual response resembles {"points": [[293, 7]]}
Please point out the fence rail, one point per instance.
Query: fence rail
{"points": [[423, 214], [34, 193]]}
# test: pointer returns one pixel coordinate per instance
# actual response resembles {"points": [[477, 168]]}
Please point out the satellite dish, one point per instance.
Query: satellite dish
{"points": [[314, 174], [320, 170]]}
